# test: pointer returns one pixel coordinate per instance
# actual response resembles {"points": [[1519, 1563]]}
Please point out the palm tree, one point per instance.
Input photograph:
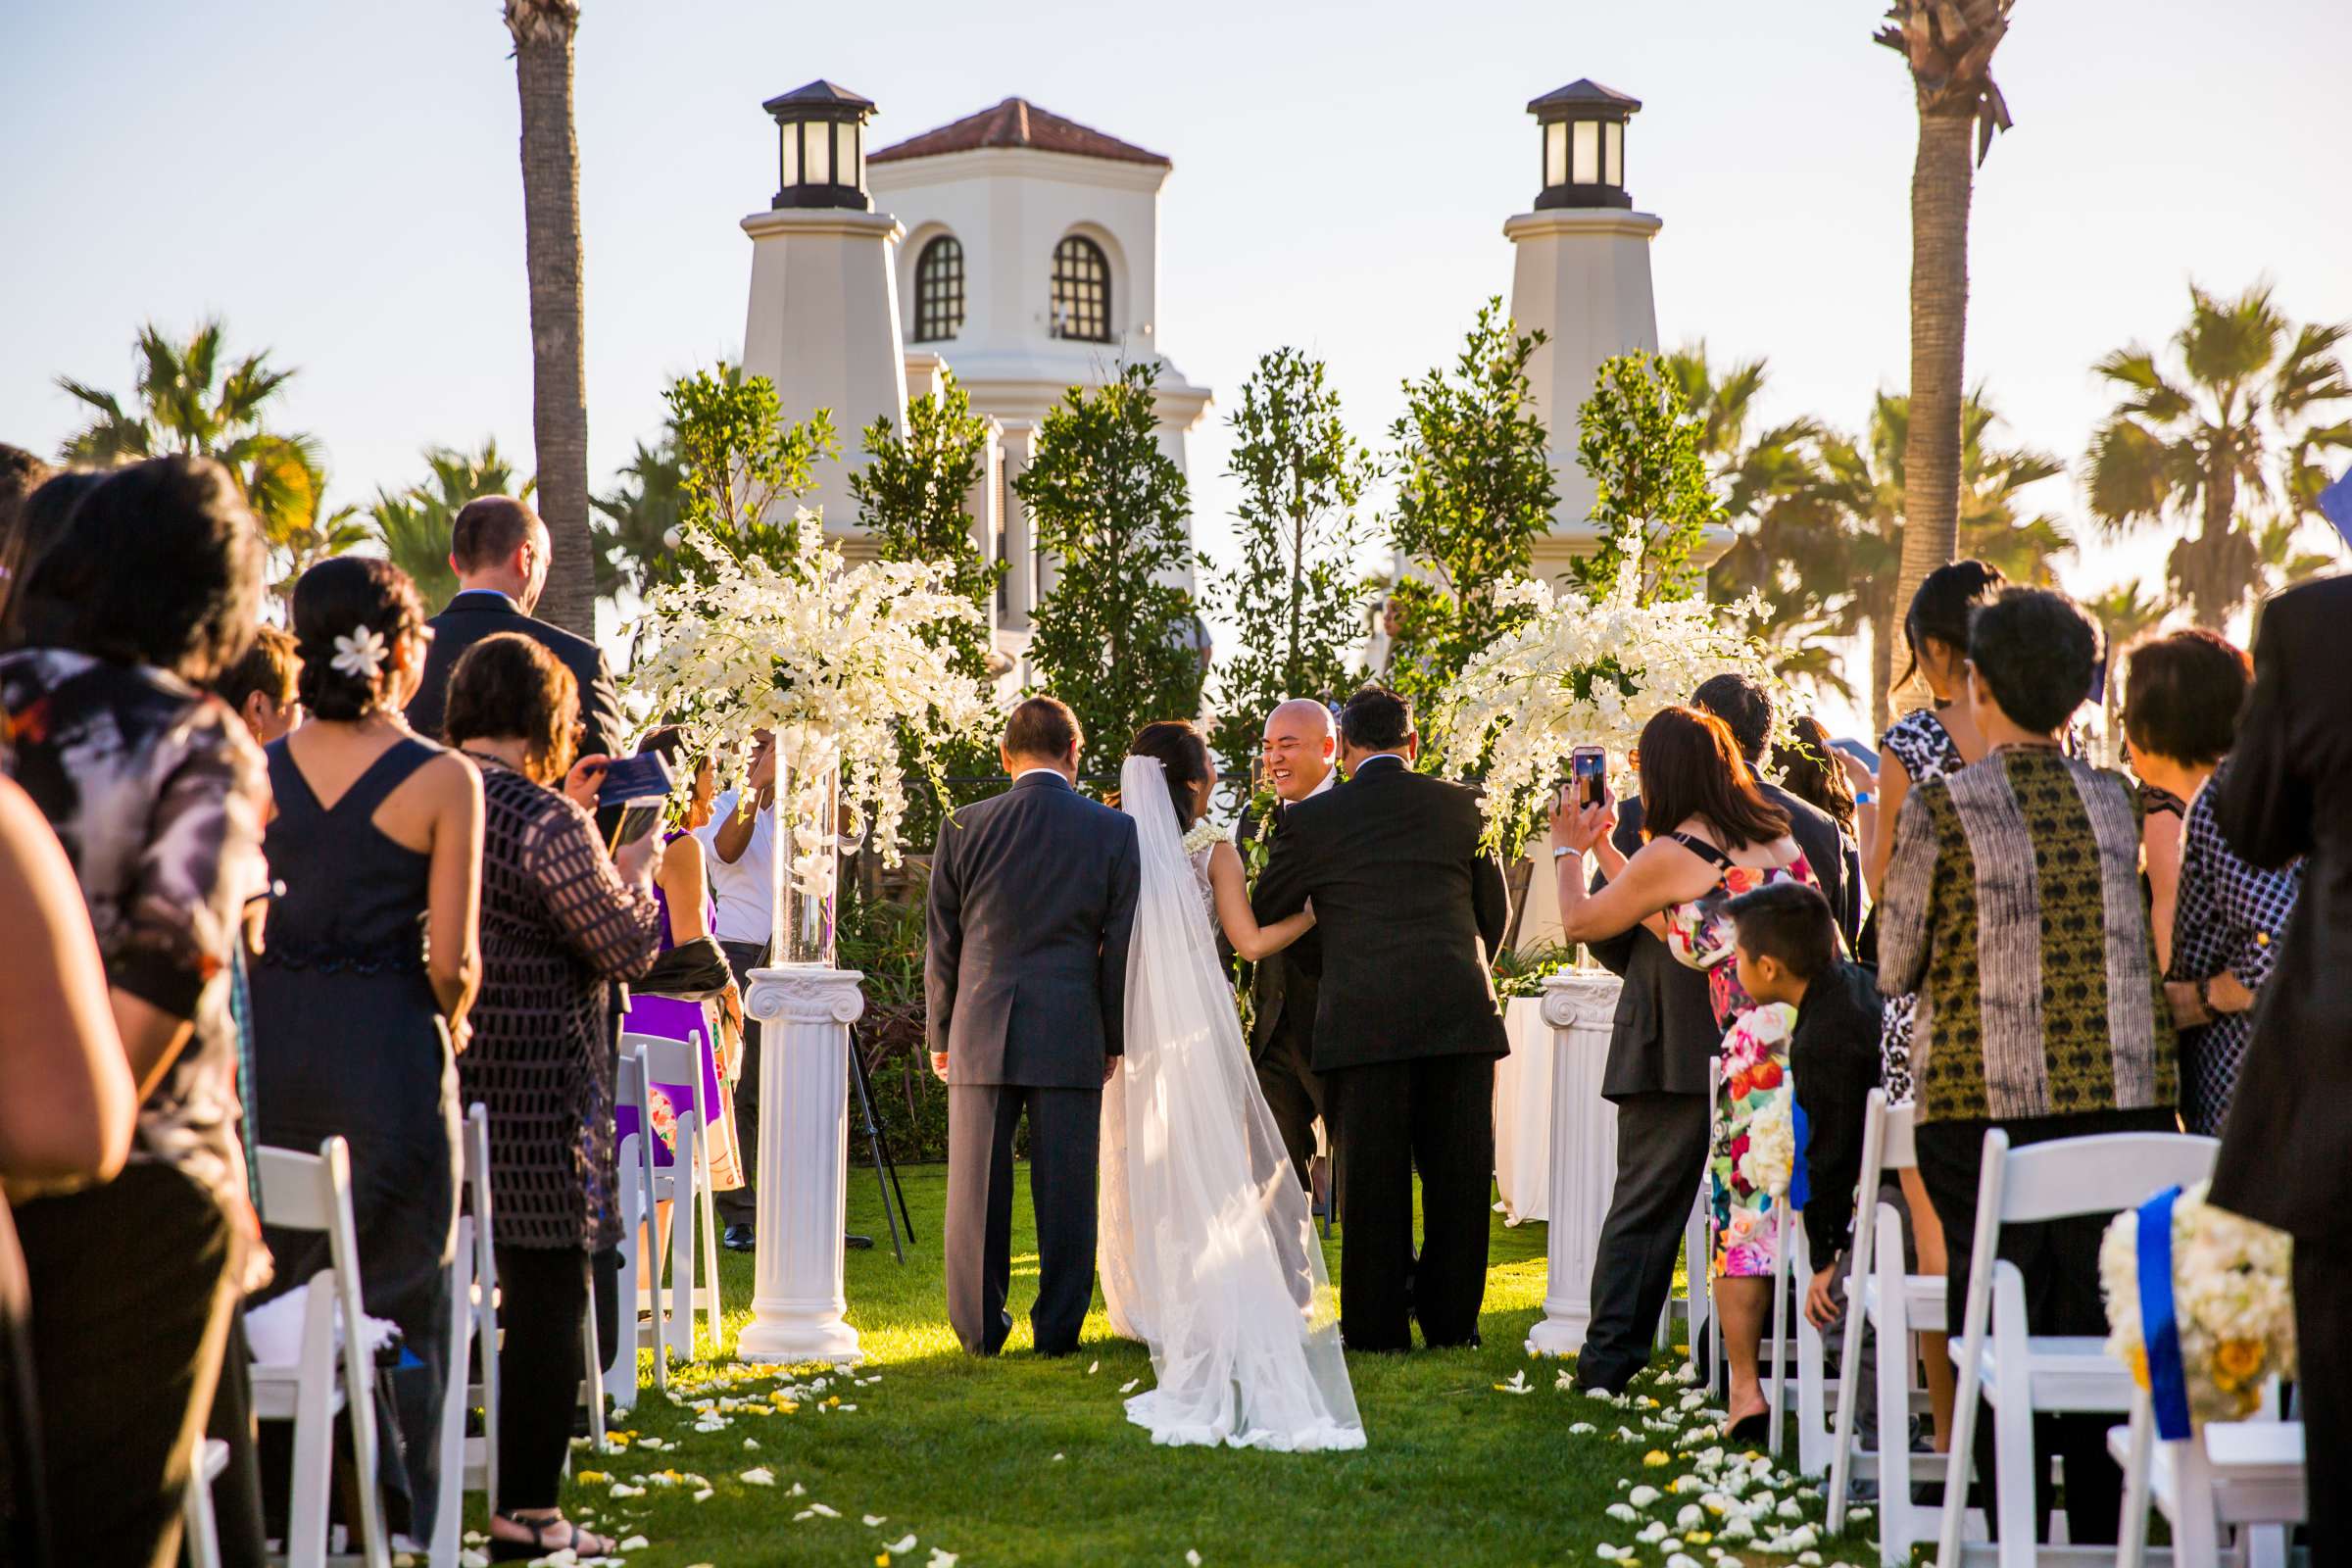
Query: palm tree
{"points": [[2236, 414], [1949, 45], [638, 522], [1867, 486], [1786, 550], [287, 487], [543, 32], [2124, 611], [414, 525], [187, 402]]}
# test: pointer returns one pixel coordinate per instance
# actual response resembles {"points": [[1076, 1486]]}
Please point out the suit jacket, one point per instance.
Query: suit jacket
{"points": [[1833, 1062], [1665, 1029], [2286, 1146], [1283, 989], [1826, 850], [1032, 906], [1411, 912], [478, 614]]}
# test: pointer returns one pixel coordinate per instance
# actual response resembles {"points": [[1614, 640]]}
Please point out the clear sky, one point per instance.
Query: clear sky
{"points": [[341, 183]]}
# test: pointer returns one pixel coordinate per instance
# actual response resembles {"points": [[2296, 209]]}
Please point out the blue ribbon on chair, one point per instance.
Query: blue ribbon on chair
{"points": [[2158, 1327]]}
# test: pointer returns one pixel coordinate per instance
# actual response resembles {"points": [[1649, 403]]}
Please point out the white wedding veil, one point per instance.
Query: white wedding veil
{"points": [[1208, 1253]]}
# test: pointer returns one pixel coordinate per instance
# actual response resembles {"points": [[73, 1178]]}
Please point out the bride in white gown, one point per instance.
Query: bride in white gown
{"points": [[1207, 1251]]}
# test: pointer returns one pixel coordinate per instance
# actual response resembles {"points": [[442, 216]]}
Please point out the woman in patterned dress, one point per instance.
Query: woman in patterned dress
{"points": [[1727, 840], [559, 923], [2181, 698], [1929, 743]]}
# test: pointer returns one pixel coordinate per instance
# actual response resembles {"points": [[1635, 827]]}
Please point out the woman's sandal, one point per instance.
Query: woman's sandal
{"points": [[1756, 1428], [503, 1551]]}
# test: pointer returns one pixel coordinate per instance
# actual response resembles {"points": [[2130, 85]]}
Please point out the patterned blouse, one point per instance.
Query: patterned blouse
{"points": [[158, 794], [2229, 915], [557, 926], [2012, 907], [1919, 741]]}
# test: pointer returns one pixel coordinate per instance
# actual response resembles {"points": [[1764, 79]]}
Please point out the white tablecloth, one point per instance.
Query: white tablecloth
{"points": [[1523, 1114]]}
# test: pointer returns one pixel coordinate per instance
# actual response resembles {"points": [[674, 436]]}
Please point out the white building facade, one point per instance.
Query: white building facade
{"points": [[1013, 248]]}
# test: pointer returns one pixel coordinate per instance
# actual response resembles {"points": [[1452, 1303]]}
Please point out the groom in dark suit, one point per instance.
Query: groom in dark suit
{"points": [[1407, 1026], [1032, 905]]}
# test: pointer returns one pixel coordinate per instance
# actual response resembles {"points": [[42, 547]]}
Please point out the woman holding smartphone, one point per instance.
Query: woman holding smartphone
{"points": [[1714, 837], [560, 921]]}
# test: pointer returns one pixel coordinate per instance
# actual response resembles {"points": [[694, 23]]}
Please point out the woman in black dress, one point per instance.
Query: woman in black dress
{"points": [[560, 921], [367, 966]]}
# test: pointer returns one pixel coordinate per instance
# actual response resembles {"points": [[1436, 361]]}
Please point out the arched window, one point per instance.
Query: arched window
{"points": [[939, 290], [1081, 290]]}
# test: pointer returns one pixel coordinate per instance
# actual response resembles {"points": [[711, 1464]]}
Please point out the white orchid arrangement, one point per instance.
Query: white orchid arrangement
{"points": [[2234, 1304], [844, 663], [1585, 670]]}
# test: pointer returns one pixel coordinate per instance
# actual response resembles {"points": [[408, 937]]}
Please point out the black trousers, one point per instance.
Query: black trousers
{"points": [[1294, 1094], [2323, 1390], [2060, 1261], [1661, 1158], [740, 1206], [1066, 1128], [1435, 1114], [543, 1300], [131, 1298]]}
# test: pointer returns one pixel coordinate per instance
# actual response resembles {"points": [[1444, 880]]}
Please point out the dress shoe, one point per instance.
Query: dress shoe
{"points": [[739, 1238]]}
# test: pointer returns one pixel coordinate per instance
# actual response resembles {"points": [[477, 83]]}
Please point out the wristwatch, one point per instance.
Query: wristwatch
{"points": [[1561, 852]]}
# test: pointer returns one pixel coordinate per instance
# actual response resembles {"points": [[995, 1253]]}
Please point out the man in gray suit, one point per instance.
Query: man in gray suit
{"points": [[1031, 909]]}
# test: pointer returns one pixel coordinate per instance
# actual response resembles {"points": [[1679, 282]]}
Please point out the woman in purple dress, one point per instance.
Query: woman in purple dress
{"points": [[682, 884]]}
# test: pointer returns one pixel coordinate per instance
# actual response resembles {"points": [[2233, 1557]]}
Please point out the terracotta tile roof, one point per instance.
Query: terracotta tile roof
{"points": [[1017, 122]]}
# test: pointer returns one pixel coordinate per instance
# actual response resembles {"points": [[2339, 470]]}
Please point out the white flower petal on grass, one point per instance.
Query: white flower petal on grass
{"points": [[1581, 1428], [1092, 1367], [805, 1513], [1129, 1385], [703, 1496], [750, 1442], [873, 1519], [904, 1543], [820, 1508], [1192, 1557], [473, 1557], [1058, 1458], [1621, 1513], [941, 1559], [759, 1476], [1643, 1497], [797, 1491], [635, 1544]]}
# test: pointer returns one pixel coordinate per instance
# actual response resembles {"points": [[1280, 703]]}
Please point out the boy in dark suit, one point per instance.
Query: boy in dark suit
{"points": [[1788, 952]]}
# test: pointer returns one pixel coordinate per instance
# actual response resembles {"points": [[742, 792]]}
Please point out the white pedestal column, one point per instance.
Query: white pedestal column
{"points": [[1579, 1005], [797, 1306]]}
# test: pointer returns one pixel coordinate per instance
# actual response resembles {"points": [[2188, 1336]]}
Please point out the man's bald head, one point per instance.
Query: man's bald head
{"points": [[1301, 743], [499, 544]]}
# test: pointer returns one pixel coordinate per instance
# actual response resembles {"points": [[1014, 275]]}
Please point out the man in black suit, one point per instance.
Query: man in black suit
{"points": [[499, 548], [1407, 1027], [1746, 709], [2285, 790], [1298, 759], [1032, 905]]}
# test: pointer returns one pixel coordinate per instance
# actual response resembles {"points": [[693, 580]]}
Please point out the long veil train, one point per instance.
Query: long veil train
{"points": [[1207, 1254]]}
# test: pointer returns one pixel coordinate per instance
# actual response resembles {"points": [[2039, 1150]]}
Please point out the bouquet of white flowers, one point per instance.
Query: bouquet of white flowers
{"points": [[1584, 671], [2232, 1305], [841, 661]]}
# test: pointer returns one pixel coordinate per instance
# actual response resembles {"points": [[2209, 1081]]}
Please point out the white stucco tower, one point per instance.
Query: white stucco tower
{"points": [[1030, 264], [824, 311], [1583, 276]]}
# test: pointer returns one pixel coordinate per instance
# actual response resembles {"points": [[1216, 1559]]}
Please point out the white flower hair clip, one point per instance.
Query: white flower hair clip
{"points": [[359, 654]]}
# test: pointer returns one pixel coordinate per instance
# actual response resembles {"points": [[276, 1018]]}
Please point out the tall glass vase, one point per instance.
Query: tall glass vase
{"points": [[807, 859]]}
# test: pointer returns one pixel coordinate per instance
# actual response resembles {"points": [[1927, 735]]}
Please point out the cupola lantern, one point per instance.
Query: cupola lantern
{"points": [[1583, 127], [821, 131]]}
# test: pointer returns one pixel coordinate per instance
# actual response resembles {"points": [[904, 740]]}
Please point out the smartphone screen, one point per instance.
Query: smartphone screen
{"points": [[1588, 767]]}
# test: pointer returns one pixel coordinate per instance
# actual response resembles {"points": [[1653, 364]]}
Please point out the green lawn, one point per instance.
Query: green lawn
{"points": [[1024, 1460]]}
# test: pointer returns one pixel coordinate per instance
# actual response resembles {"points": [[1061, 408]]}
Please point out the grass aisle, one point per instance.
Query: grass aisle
{"points": [[1023, 1460]]}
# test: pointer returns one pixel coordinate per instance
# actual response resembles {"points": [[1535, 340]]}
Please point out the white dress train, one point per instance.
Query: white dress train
{"points": [[1207, 1251]]}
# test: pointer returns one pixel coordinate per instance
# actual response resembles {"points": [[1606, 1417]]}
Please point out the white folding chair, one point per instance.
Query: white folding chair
{"points": [[685, 1185], [1814, 1385], [630, 1185], [313, 1193], [1900, 1306], [2241, 1476], [1691, 1304], [202, 1535], [469, 1464], [2000, 1356]]}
